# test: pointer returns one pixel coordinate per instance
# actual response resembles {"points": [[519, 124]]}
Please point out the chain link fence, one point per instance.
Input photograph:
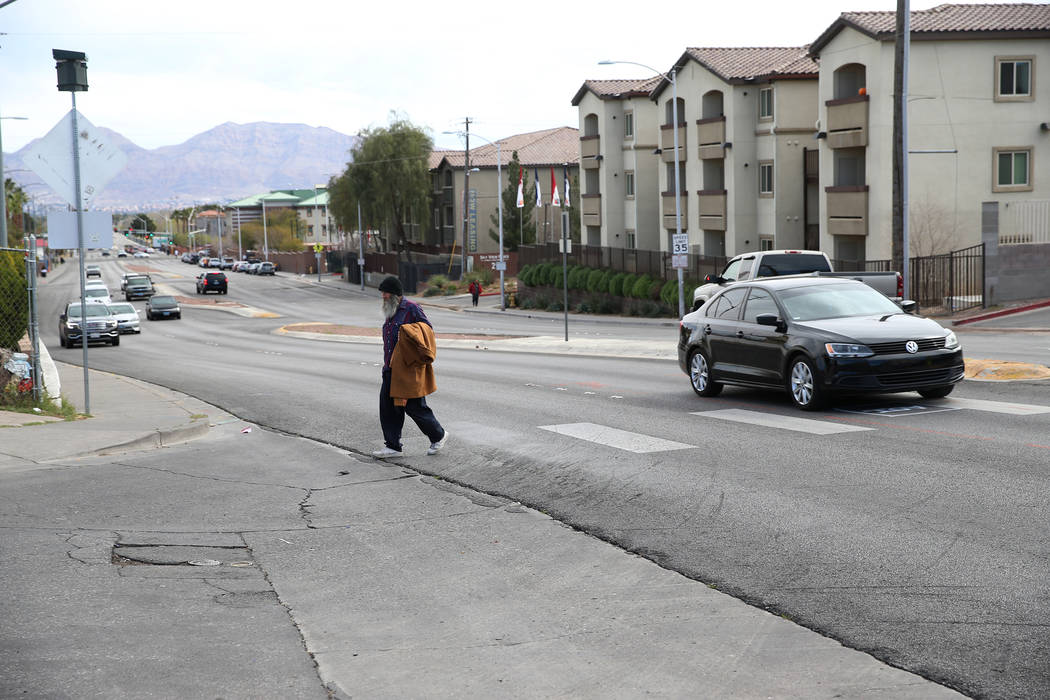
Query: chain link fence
{"points": [[19, 341]]}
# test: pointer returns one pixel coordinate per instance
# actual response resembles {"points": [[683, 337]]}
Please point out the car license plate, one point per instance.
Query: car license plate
{"points": [[93, 335]]}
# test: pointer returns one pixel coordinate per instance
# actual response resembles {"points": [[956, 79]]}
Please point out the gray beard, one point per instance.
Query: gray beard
{"points": [[390, 306]]}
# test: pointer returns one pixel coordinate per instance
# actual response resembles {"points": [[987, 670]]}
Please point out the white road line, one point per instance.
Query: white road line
{"points": [[613, 437], [772, 420], [1015, 409]]}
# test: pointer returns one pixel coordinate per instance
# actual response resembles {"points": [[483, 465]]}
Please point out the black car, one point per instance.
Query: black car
{"points": [[814, 338], [138, 288], [162, 306], [211, 282], [101, 325]]}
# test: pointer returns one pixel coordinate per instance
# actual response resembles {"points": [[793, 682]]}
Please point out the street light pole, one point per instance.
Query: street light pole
{"points": [[673, 75], [3, 191]]}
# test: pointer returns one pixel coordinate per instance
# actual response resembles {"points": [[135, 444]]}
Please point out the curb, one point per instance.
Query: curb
{"points": [[999, 314], [158, 438]]}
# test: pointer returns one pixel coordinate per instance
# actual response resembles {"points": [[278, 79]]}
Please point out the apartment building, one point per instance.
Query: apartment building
{"points": [[619, 162], [538, 151], [978, 106], [315, 224]]}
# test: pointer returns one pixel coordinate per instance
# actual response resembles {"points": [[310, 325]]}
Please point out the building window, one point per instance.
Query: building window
{"points": [[1013, 169], [448, 178], [628, 125], [310, 230], [765, 243], [1013, 79], [765, 178], [628, 184], [448, 215], [765, 103], [631, 242]]}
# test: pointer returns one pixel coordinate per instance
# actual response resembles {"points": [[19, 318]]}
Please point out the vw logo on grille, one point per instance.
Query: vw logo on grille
{"points": [[912, 347]]}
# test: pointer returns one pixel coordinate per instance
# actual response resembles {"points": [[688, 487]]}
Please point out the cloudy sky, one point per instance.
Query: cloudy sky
{"points": [[162, 72]]}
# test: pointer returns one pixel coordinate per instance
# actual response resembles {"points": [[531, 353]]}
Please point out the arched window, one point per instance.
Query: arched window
{"points": [[850, 81], [590, 125], [712, 104], [669, 111]]}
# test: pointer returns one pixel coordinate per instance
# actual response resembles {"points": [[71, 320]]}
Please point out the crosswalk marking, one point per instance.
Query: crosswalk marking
{"points": [[1015, 409], [771, 420], [614, 437]]}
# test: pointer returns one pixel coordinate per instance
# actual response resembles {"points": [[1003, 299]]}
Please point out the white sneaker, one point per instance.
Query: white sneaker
{"points": [[435, 447], [387, 452]]}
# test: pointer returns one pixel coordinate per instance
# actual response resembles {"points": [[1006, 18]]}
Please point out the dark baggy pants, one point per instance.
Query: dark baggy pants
{"points": [[392, 417]]}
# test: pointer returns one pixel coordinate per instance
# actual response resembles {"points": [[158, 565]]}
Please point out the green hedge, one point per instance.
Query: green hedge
{"points": [[14, 311]]}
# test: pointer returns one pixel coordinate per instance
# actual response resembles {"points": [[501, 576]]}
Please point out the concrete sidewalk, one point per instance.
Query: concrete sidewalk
{"points": [[444, 592]]}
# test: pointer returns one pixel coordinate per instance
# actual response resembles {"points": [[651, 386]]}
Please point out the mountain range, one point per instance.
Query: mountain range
{"points": [[228, 162]]}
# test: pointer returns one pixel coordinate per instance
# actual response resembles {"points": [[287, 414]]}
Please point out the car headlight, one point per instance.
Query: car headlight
{"points": [[951, 341], [847, 350], [71, 326], [111, 324]]}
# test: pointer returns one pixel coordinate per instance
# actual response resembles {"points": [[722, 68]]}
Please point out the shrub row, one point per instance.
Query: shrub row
{"points": [[618, 284]]}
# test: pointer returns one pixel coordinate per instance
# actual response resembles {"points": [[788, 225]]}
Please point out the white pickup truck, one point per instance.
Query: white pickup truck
{"points": [[778, 263]]}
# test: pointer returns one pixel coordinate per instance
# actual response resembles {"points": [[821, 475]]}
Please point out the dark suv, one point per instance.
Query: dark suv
{"points": [[211, 282], [138, 288]]}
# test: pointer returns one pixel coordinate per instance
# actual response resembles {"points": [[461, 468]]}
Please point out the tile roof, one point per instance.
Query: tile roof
{"points": [[548, 147], [617, 88], [946, 20], [733, 64]]}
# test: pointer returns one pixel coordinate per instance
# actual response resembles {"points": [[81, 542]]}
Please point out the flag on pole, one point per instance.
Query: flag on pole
{"points": [[565, 176], [555, 202], [521, 192], [539, 194]]}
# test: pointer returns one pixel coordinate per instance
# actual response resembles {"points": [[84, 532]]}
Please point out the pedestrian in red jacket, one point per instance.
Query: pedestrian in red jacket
{"points": [[475, 291]]}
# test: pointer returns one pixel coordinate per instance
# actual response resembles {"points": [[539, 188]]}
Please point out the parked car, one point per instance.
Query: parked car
{"points": [[265, 268], [227, 263], [162, 306], [211, 282], [92, 271], [127, 317], [240, 266], [816, 338], [779, 263], [253, 268], [101, 325], [138, 288]]}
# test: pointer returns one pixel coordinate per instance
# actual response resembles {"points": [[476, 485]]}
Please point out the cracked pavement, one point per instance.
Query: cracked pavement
{"points": [[324, 574]]}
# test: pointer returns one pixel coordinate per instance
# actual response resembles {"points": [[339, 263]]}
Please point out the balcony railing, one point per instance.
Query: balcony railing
{"points": [[711, 137], [667, 142], [848, 122], [847, 209], [591, 209], [669, 212], [713, 209], [590, 148]]}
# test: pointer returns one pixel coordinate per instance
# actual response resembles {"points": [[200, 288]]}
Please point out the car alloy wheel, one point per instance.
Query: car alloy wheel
{"points": [[805, 391], [700, 375]]}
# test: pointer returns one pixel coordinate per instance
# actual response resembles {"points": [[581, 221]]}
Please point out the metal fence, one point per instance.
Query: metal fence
{"points": [[952, 281], [1025, 222], [655, 263], [19, 331]]}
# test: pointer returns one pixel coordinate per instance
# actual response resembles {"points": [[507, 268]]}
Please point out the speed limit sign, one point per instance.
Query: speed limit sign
{"points": [[680, 243]]}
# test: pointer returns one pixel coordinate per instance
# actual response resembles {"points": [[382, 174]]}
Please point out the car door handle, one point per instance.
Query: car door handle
{"points": [[707, 329], [740, 334]]}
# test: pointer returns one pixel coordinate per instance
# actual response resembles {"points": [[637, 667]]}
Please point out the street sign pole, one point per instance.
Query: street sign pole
{"points": [[565, 243]]}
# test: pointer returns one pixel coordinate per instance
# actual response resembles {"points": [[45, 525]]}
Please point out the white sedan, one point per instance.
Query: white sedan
{"points": [[127, 317], [141, 254], [97, 295]]}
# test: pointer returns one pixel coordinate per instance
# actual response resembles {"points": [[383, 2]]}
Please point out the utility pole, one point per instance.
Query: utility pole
{"points": [[466, 196], [900, 142]]}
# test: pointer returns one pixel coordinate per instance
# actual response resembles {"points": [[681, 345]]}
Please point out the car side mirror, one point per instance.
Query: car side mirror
{"points": [[714, 279], [909, 307], [771, 320]]}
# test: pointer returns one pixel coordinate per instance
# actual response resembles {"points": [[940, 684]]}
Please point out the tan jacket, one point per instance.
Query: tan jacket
{"points": [[412, 363]]}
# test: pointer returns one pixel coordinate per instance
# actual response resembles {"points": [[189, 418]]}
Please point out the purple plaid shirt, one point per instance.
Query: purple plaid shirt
{"points": [[407, 312]]}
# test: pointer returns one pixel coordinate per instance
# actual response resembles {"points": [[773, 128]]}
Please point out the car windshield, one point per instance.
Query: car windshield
{"points": [[137, 281], [93, 310], [162, 301], [96, 292], [835, 301], [122, 308]]}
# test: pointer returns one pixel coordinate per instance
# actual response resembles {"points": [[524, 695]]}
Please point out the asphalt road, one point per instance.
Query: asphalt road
{"points": [[911, 529]]}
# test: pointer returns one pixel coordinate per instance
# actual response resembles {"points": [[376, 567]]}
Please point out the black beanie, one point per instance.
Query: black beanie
{"points": [[392, 285]]}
